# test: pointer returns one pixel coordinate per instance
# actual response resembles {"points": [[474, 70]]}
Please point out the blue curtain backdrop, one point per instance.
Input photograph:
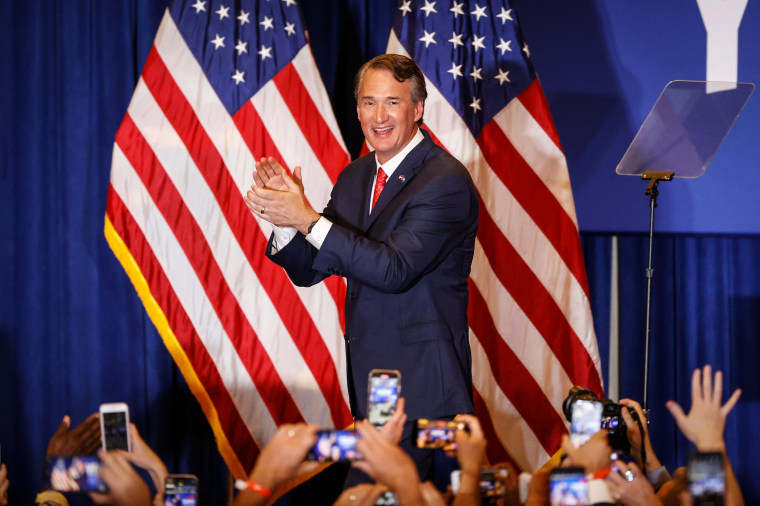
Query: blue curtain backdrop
{"points": [[73, 333]]}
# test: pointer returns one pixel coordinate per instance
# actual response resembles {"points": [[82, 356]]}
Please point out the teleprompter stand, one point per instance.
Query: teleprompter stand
{"points": [[679, 138]]}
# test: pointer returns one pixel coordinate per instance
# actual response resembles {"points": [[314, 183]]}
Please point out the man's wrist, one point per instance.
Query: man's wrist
{"points": [[309, 222]]}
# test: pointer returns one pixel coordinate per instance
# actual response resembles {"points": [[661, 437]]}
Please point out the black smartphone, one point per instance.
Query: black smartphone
{"points": [[180, 489], [568, 485], [585, 421], [491, 482], [114, 426], [437, 434], [707, 478], [74, 474], [335, 445], [384, 389]]}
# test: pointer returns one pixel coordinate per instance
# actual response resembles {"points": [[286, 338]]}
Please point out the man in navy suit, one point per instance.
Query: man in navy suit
{"points": [[406, 257]]}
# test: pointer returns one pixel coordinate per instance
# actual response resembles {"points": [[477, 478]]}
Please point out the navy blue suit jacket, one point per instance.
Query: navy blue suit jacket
{"points": [[406, 266]]}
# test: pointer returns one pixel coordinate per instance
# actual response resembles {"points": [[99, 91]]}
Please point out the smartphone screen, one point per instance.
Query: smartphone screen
{"points": [[437, 434], [114, 426], [707, 478], [74, 474], [384, 387], [568, 486], [586, 420], [335, 445], [180, 489], [491, 482]]}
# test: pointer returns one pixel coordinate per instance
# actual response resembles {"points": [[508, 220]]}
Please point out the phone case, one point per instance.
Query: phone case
{"points": [[114, 426]]}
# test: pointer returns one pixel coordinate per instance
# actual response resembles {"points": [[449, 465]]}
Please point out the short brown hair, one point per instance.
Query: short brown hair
{"points": [[402, 67]]}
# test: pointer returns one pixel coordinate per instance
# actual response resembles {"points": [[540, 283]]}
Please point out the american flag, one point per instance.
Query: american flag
{"points": [[225, 84], [531, 331]]}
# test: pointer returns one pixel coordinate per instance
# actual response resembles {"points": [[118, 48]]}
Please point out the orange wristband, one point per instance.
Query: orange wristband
{"points": [[252, 485]]}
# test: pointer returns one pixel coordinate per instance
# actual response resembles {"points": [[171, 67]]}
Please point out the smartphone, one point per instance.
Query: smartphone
{"points": [[437, 434], [491, 482], [114, 426], [180, 489], [585, 421], [707, 478], [335, 445], [384, 388], [568, 485], [74, 474]]}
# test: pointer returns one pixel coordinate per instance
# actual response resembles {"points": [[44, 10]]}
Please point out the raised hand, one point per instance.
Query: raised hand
{"points": [[82, 440], [706, 420]]}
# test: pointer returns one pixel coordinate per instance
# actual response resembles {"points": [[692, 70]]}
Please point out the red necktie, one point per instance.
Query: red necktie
{"points": [[382, 177]]}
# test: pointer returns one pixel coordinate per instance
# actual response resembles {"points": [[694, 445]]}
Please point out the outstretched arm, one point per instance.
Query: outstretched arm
{"points": [[706, 421]]}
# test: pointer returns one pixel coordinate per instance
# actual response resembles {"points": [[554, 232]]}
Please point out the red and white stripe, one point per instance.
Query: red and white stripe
{"points": [[264, 351], [531, 330]]}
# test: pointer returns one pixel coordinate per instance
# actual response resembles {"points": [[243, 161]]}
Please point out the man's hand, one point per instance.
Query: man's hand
{"points": [[283, 207], [82, 440], [268, 174]]}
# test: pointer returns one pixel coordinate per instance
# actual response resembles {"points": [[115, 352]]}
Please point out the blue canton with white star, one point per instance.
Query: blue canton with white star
{"points": [[473, 51], [240, 44]]}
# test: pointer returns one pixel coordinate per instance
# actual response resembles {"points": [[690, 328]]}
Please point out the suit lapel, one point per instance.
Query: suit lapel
{"points": [[400, 178]]}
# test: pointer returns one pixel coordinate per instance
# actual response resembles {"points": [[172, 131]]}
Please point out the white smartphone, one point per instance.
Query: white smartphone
{"points": [[114, 426], [586, 421]]}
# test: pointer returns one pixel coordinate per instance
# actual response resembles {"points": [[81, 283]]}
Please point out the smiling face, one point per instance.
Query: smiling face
{"points": [[386, 112]]}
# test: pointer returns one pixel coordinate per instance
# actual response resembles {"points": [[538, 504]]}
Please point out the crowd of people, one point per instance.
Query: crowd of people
{"points": [[608, 476]]}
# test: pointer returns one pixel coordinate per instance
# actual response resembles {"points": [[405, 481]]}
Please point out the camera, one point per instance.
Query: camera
{"points": [[612, 417]]}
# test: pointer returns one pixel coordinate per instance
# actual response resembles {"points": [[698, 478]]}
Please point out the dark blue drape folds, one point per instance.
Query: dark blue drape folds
{"points": [[705, 310], [73, 333]]}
